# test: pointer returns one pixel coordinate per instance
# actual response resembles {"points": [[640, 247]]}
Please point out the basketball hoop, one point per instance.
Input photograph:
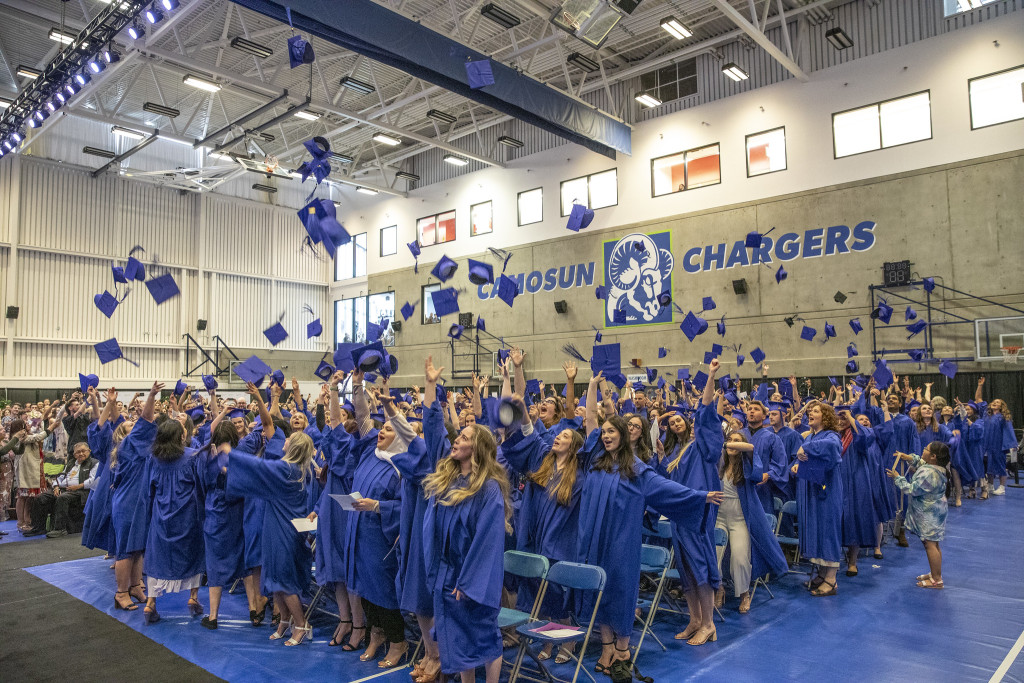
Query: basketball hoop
{"points": [[1011, 353], [570, 20]]}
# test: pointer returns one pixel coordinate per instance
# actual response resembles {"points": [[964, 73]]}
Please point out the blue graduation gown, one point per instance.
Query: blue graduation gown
{"points": [[927, 435], [98, 530], [820, 507], [285, 555], [332, 519], [414, 594], [769, 456], [859, 472], [611, 513], [130, 499], [998, 439], [223, 527], [252, 526], [766, 555], [970, 460], [371, 558], [463, 548], [791, 442], [174, 546], [696, 554]]}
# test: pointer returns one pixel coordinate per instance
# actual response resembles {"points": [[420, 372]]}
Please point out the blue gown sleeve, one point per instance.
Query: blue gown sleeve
{"points": [[778, 466], [256, 477], [709, 438], [1009, 442], [274, 449], [827, 449], [100, 441], [524, 453], [482, 569], [684, 506], [592, 448]]}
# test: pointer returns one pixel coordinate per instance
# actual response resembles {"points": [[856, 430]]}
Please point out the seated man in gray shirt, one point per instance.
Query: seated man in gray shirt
{"points": [[67, 496]]}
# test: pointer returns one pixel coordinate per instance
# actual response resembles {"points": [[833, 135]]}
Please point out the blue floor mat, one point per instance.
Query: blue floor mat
{"points": [[13, 535], [879, 627]]}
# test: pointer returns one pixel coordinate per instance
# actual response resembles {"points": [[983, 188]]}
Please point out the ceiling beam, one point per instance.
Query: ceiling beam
{"points": [[761, 39]]}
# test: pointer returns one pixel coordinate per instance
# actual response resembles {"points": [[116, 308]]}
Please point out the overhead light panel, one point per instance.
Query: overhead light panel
{"points": [[510, 141], [454, 160], [441, 116], [255, 49], [357, 85], [499, 16], [127, 133], [61, 36], [408, 176], [838, 38], [264, 188], [386, 140], [647, 99], [733, 71], [307, 115], [583, 62], [366, 190], [200, 83], [154, 108], [341, 158], [675, 28], [267, 137], [96, 152], [154, 15], [28, 72]]}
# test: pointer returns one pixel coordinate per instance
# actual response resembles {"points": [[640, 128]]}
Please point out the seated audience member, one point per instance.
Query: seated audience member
{"points": [[66, 499]]}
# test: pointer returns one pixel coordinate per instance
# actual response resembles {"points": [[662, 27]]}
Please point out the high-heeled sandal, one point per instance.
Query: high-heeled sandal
{"points": [[291, 642], [275, 619], [708, 638], [142, 588], [334, 642], [601, 668], [428, 676], [150, 616], [256, 616], [131, 605], [823, 594], [194, 608], [349, 647], [563, 656], [388, 663], [279, 633], [686, 633], [370, 656]]}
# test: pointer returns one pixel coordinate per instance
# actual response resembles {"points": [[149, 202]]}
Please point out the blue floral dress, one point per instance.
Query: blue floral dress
{"points": [[928, 506]]}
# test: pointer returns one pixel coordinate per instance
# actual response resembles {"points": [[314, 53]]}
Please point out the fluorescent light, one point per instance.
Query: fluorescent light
{"points": [[366, 190], [499, 16], [357, 85], [735, 72], [510, 141], [838, 38], [127, 133], [105, 153], [406, 175], [386, 140], [255, 49], [154, 108], [454, 160], [440, 116], [200, 83], [341, 158], [28, 72], [4, 102], [61, 37], [585, 63], [647, 99], [183, 143], [264, 188], [307, 115], [675, 28]]}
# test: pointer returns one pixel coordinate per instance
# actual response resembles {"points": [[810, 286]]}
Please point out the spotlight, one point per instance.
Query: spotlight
{"points": [[264, 188], [41, 115], [71, 88], [17, 136], [8, 145], [60, 97], [136, 31], [96, 65], [154, 15], [170, 5], [83, 78], [53, 105], [499, 16], [32, 123], [441, 116], [735, 72], [111, 56]]}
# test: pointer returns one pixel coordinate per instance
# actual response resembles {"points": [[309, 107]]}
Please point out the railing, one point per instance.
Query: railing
{"points": [[205, 359], [465, 364]]}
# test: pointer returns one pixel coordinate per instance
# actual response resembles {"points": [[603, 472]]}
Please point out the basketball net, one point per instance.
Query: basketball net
{"points": [[1010, 353]]}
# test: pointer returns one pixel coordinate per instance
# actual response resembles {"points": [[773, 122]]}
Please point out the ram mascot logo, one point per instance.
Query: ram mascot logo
{"points": [[637, 269]]}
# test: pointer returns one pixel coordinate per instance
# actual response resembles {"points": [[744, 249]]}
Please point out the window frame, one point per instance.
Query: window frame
{"points": [[878, 113], [419, 235], [686, 169], [381, 238], [471, 226], [354, 275], [519, 212], [785, 148], [355, 306], [432, 287], [970, 107], [588, 176]]}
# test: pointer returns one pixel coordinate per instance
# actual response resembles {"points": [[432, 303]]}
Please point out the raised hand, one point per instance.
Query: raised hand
{"points": [[156, 388], [570, 370], [715, 365], [431, 373], [517, 356], [252, 389]]}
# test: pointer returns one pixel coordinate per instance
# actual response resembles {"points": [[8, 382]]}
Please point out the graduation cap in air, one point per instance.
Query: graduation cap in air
{"points": [[856, 326], [708, 357], [882, 374], [370, 357], [319, 166], [252, 369], [320, 219], [721, 327], [708, 304], [780, 275], [134, 270], [852, 367], [407, 310], [665, 298], [479, 73], [739, 359], [505, 412], [579, 218], [180, 387], [388, 366], [508, 290], [807, 333], [375, 331], [118, 273], [683, 373], [106, 302], [662, 352], [455, 331], [275, 334], [916, 354], [830, 331], [445, 301], [210, 382], [757, 355], [414, 249], [929, 284], [786, 387], [909, 314], [86, 381], [277, 377], [851, 350], [343, 356], [652, 374], [480, 272], [163, 288], [324, 370], [110, 350], [949, 368], [601, 292], [605, 358], [300, 51], [753, 240], [700, 380], [314, 328], [661, 383], [444, 269], [717, 349], [503, 356], [916, 327], [502, 255], [597, 334], [762, 392], [839, 298], [693, 326], [883, 312], [533, 386]]}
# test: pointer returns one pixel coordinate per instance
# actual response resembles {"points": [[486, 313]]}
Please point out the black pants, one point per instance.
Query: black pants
{"points": [[388, 620], [62, 507]]}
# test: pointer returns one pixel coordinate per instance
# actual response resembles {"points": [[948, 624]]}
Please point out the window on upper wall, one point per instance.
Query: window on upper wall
{"points": [[481, 219], [350, 259], [766, 152], [352, 315], [997, 98], [885, 124], [389, 240], [531, 206], [436, 229], [379, 307], [429, 316], [671, 82], [686, 170], [594, 191], [952, 7]]}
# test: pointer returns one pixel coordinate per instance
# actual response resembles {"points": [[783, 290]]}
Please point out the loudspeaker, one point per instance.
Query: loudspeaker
{"points": [[561, 307], [466, 319], [739, 286], [200, 324], [12, 312], [396, 325]]}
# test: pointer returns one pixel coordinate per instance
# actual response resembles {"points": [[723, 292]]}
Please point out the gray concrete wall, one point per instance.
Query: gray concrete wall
{"points": [[961, 223]]}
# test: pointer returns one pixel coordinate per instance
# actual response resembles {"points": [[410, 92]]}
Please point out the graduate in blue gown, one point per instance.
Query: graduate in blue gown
{"points": [[883, 493], [791, 442], [898, 434], [769, 454], [694, 464], [970, 457], [284, 485], [859, 470], [819, 496], [129, 501], [464, 526], [998, 440], [617, 488], [97, 531]]}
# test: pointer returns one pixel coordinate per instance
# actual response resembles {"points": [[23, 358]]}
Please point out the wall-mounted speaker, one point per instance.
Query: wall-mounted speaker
{"points": [[12, 312], [739, 286], [396, 325], [561, 307], [466, 319], [200, 325]]}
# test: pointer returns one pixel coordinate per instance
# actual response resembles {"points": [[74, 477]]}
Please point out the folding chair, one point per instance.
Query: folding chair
{"points": [[788, 508], [654, 559], [576, 576], [664, 531], [777, 504], [763, 580], [525, 566]]}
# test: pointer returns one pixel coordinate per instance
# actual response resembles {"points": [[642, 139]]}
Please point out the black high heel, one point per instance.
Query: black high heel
{"points": [[256, 616], [349, 647], [334, 642], [209, 623], [601, 668], [132, 606], [194, 608]]}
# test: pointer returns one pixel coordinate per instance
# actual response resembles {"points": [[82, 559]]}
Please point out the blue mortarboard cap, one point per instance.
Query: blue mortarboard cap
{"points": [[775, 405], [374, 331], [757, 355], [916, 326], [118, 272], [314, 329], [856, 326], [882, 374], [414, 249], [163, 288], [579, 218], [503, 355], [275, 334], [197, 413], [916, 354], [909, 314], [508, 290], [368, 358], [533, 386], [717, 349], [665, 298], [662, 352], [444, 269], [619, 316], [618, 379], [300, 51], [753, 240], [700, 380], [86, 381], [343, 356], [708, 357], [388, 366], [252, 369], [601, 292], [407, 310], [833, 381], [210, 382], [661, 382], [683, 373], [851, 350], [780, 274], [808, 333], [479, 73], [324, 370], [929, 284], [786, 387], [652, 374], [725, 382], [277, 377], [134, 270], [693, 326], [480, 272], [597, 334], [708, 304], [739, 359], [852, 367], [106, 302], [110, 350], [480, 325], [180, 387], [455, 331], [883, 312], [605, 359], [949, 368], [446, 301], [721, 326], [830, 330], [762, 392]]}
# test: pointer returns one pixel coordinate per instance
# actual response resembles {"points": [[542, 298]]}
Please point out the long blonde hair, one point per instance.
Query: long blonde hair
{"points": [[562, 493], [122, 431], [300, 452], [483, 467]]}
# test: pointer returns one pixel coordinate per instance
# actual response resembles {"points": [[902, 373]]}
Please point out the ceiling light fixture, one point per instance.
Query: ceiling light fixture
{"points": [[357, 85], [307, 115], [264, 188], [499, 16], [161, 110], [675, 28], [96, 152], [366, 190], [386, 140], [454, 160], [733, 71], [200, 83], [441, 116], [838, 38], [97, 65], [136, 31], [408, 176], [647, 99], [83, 78], [341, 158], [154, 15], [169, 5], [255, 49], [510, 141], [110, 56], [127, 133], [585, 63], [28, 72], [61, 37]]}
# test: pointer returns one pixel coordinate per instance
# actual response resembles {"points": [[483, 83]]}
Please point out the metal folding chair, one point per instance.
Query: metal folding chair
{"points": [[788, 508], [773, 523], [654, 559], [525, 566]]}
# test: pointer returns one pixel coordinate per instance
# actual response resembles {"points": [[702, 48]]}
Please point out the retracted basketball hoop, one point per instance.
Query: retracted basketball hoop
{"points": [[1010, 353]]}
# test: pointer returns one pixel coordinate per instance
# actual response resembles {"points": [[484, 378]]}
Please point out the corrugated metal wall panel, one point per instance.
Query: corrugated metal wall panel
{"points": [[163, 221], [5, 256], [44, 361], [291, 260], [291, 297], [240, 309], [983, 13], [244, 229], [65, 209], [6, 189], [430, 165]]}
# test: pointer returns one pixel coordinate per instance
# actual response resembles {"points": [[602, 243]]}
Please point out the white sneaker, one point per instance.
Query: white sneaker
{"points": [[1001, 491]]}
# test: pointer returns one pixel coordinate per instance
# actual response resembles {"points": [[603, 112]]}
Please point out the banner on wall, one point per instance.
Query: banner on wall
{"points": [[637, 268]]}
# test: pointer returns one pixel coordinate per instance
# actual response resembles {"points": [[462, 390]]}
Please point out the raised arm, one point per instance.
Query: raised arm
{"points": [[570, 386], [149, 407], [478, 409], [108, 409], [261, 407], [360, 404], [431, 375], [591, 418], [300, 404], [220, 417], [506, 382], [275, 401], [977, 391], [709, 388], [517, 356], [336, 379]]}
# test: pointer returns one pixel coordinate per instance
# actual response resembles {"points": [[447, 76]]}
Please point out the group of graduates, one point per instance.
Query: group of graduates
{"points": [[448, 481]]}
